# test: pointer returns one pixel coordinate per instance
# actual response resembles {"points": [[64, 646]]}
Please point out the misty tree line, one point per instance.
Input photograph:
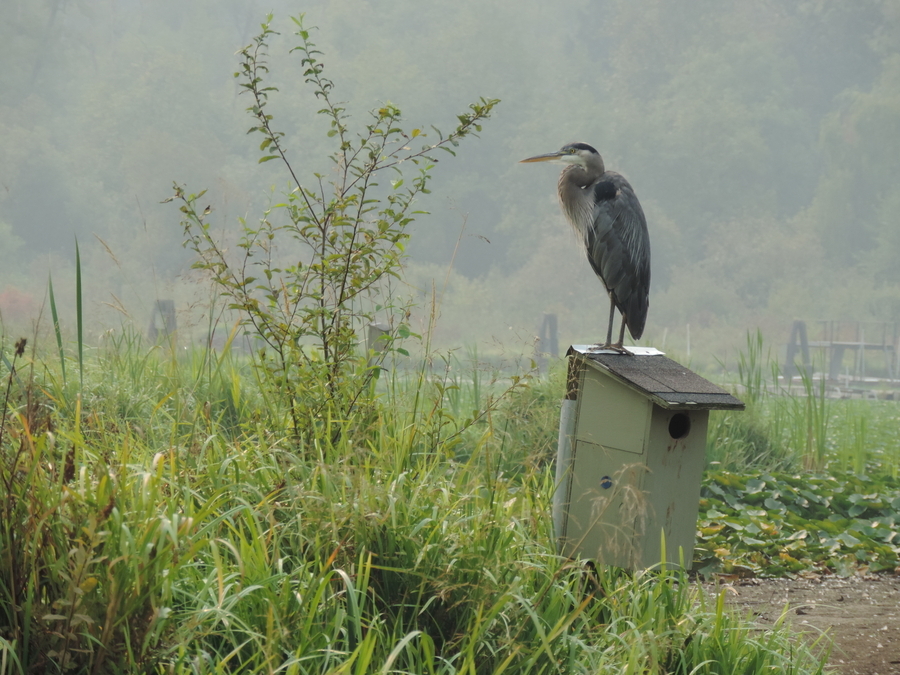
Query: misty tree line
{"points": [[762, 137]]}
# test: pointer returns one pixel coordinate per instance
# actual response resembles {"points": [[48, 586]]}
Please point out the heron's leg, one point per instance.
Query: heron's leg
{"points": [[609, 343], [612, 318], [618, 346]]}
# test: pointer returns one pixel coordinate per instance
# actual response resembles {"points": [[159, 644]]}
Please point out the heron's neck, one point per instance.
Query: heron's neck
{"points": [[576, 176], [576, 201]]}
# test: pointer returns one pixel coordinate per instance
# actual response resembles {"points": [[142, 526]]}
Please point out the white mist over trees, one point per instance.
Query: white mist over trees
{"points": [[762, 137]]}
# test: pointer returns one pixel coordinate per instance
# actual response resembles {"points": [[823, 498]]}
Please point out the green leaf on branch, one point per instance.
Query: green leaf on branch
{"points": [[345, 238]]}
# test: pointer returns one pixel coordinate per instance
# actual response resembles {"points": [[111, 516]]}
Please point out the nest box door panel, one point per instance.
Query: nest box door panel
{"points": [[607, 507], [611, 414], [676, 459]]}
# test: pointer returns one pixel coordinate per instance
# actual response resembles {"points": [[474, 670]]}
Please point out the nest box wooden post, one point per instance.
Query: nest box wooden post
{"points": [[632, 448]]}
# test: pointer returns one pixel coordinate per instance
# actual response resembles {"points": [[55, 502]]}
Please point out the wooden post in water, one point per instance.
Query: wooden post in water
{"points": [[165, 311], [377, 337], [547, 342], [798, 341]]}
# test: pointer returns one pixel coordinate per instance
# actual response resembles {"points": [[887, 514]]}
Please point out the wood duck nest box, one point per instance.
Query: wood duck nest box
{"points": [[632, 448]]}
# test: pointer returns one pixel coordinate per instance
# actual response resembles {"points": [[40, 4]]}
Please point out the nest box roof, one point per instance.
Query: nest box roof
{"points": [[664, 381]]}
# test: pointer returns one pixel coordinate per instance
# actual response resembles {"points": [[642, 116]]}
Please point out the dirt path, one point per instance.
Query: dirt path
{"points": [[861, 615]]}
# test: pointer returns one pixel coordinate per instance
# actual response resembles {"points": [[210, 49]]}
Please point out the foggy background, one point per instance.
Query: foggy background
{"points": [[761, 136]]}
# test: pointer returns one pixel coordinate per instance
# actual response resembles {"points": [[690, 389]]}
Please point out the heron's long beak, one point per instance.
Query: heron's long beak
{"points": [[542, 158]]}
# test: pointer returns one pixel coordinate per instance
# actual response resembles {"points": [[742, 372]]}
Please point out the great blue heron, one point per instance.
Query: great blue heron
{"points": [[606, 214]]}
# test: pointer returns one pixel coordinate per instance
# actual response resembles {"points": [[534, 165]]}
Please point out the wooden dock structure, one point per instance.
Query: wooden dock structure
{"points": [[839, 338]]}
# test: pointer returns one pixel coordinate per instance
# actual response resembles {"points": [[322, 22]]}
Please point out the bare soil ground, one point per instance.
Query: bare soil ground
{"points": [[861, 615]]}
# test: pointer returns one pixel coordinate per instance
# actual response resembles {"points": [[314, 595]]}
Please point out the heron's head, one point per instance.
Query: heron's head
{"points": [[579, 154]]}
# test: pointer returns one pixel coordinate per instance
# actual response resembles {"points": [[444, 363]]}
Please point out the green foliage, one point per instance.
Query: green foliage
{"points": [[61, 389], [127, 550], [57, 330], [776, 525], [319, 265], [817, 413], [759, 517], [790, 430], [744, 438], [90, 547], [528, 437]]}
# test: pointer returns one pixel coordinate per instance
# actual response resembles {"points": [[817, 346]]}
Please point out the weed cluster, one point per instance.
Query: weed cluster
{"points": [[767, 525], [785, 431], [212, 548], [320, 265]]}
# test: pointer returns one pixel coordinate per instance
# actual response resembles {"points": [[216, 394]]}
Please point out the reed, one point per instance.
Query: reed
{"points": [[161, 526], [807, 430]]}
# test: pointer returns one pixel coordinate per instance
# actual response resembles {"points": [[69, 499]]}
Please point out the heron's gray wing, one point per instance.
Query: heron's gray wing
{"points": [[618, 248]]}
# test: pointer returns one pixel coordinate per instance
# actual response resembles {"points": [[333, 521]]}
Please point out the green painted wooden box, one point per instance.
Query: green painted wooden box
{"points": [[632, 446]]}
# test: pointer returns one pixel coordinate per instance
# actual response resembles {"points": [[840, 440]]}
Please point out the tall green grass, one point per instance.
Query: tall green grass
{"points": [[163, 526], [783, 429]]}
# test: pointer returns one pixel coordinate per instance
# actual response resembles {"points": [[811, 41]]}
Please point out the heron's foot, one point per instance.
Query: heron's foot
{"points": [[611, 347]]}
